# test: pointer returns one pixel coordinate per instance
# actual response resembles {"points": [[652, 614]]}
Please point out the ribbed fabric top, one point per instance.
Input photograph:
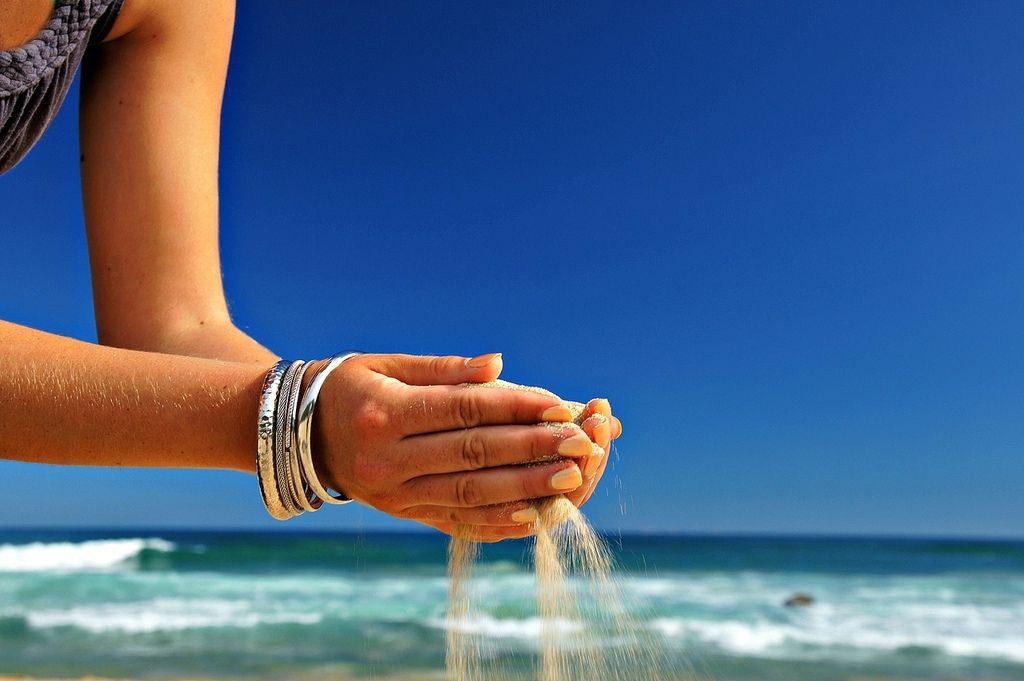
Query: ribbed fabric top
{"points": [[35, 77]]}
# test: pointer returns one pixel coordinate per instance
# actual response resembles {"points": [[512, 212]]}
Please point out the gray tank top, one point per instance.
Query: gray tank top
{"points": [[35, 77]]}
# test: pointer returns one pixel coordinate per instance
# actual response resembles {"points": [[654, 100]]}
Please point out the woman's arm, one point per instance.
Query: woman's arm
{"points": [[70, 402], [150, 122], [389, 430]]}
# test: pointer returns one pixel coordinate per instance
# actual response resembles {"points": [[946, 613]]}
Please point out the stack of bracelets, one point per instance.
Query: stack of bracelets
{"points": [[284, 457]]}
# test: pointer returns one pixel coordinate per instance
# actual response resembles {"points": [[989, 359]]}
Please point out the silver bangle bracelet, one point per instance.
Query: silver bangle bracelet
{"points": [[304, 430], [282, 433], [265, 444], [302, 492]]}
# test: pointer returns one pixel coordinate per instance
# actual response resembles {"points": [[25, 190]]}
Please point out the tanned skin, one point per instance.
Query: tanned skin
{"points": [[174, 383]]}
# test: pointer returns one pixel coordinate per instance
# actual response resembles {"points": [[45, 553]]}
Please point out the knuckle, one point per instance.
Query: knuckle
{"points": [[468, 411], [533, 483], [474, 451], [364, 361], [544, 443], [467, 491], [436, 365], [527, 407], [371, 420]]}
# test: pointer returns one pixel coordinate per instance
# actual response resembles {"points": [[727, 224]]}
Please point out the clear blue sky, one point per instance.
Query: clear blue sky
{"points": [[786, 240]]}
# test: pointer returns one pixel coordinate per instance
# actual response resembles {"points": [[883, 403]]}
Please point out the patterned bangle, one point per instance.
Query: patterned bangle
{"points": [[265, 444], [304, 429], [282, 433]]}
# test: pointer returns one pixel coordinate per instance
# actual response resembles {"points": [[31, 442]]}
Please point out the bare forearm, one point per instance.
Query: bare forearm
{"points": [[70, 402]]}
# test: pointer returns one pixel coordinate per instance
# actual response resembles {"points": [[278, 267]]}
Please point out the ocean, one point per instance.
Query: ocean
{"points": [[157, 604]]}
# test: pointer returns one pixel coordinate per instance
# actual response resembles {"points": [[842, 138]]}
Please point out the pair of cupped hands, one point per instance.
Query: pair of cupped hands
{"points": [[401, 434]]}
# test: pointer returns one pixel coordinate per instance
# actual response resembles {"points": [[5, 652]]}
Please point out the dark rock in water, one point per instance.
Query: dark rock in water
{"points": [[799, 600]]}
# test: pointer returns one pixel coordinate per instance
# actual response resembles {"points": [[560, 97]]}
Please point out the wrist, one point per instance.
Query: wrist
{"points": [[323, 422], [239, 413], [292, 458]]}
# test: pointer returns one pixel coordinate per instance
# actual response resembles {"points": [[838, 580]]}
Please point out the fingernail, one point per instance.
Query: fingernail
{"points": [[556, 413], [480, 361], [526, 515], [602, 430], [566, 479], [616, 428], [602, 406], [577, 445]]}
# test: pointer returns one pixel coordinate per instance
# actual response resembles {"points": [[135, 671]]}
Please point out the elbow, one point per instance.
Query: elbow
{"points": [[178, 337]]}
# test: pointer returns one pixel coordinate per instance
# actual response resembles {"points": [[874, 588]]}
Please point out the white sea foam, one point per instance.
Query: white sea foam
{"points": [[733, 636], [492, 627], [827, 637], [164, 614], [855, 618], [98, 554]]}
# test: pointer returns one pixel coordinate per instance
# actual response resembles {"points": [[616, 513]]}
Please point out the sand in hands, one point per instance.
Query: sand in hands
{"points": [[586, 631]]}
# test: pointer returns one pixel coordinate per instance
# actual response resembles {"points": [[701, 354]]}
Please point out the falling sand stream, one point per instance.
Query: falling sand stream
{"points": [[587, 630]]}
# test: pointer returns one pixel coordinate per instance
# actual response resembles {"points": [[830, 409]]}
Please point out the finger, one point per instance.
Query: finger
{"points": [[599, 405], [593, 463], [499, 515], [598, 427], [438, 370], [482, 533], [592, 476], [490, 446], [602, 406], [494, 485], [591, 484], [593, 467], [439, 408], [592, 473]]}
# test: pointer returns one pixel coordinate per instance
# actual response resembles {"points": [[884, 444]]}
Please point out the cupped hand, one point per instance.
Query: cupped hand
{"points": [[398, 433]]}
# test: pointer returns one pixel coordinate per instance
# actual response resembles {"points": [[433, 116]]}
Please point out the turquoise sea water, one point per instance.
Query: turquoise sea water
{"points": [[165, 604]]}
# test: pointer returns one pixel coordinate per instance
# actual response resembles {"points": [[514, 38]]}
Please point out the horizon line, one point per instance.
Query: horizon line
{"points": [[680, 534]]}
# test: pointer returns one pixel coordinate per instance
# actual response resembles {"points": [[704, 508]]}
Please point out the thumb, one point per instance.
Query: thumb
{"points": [[440, 370]]}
